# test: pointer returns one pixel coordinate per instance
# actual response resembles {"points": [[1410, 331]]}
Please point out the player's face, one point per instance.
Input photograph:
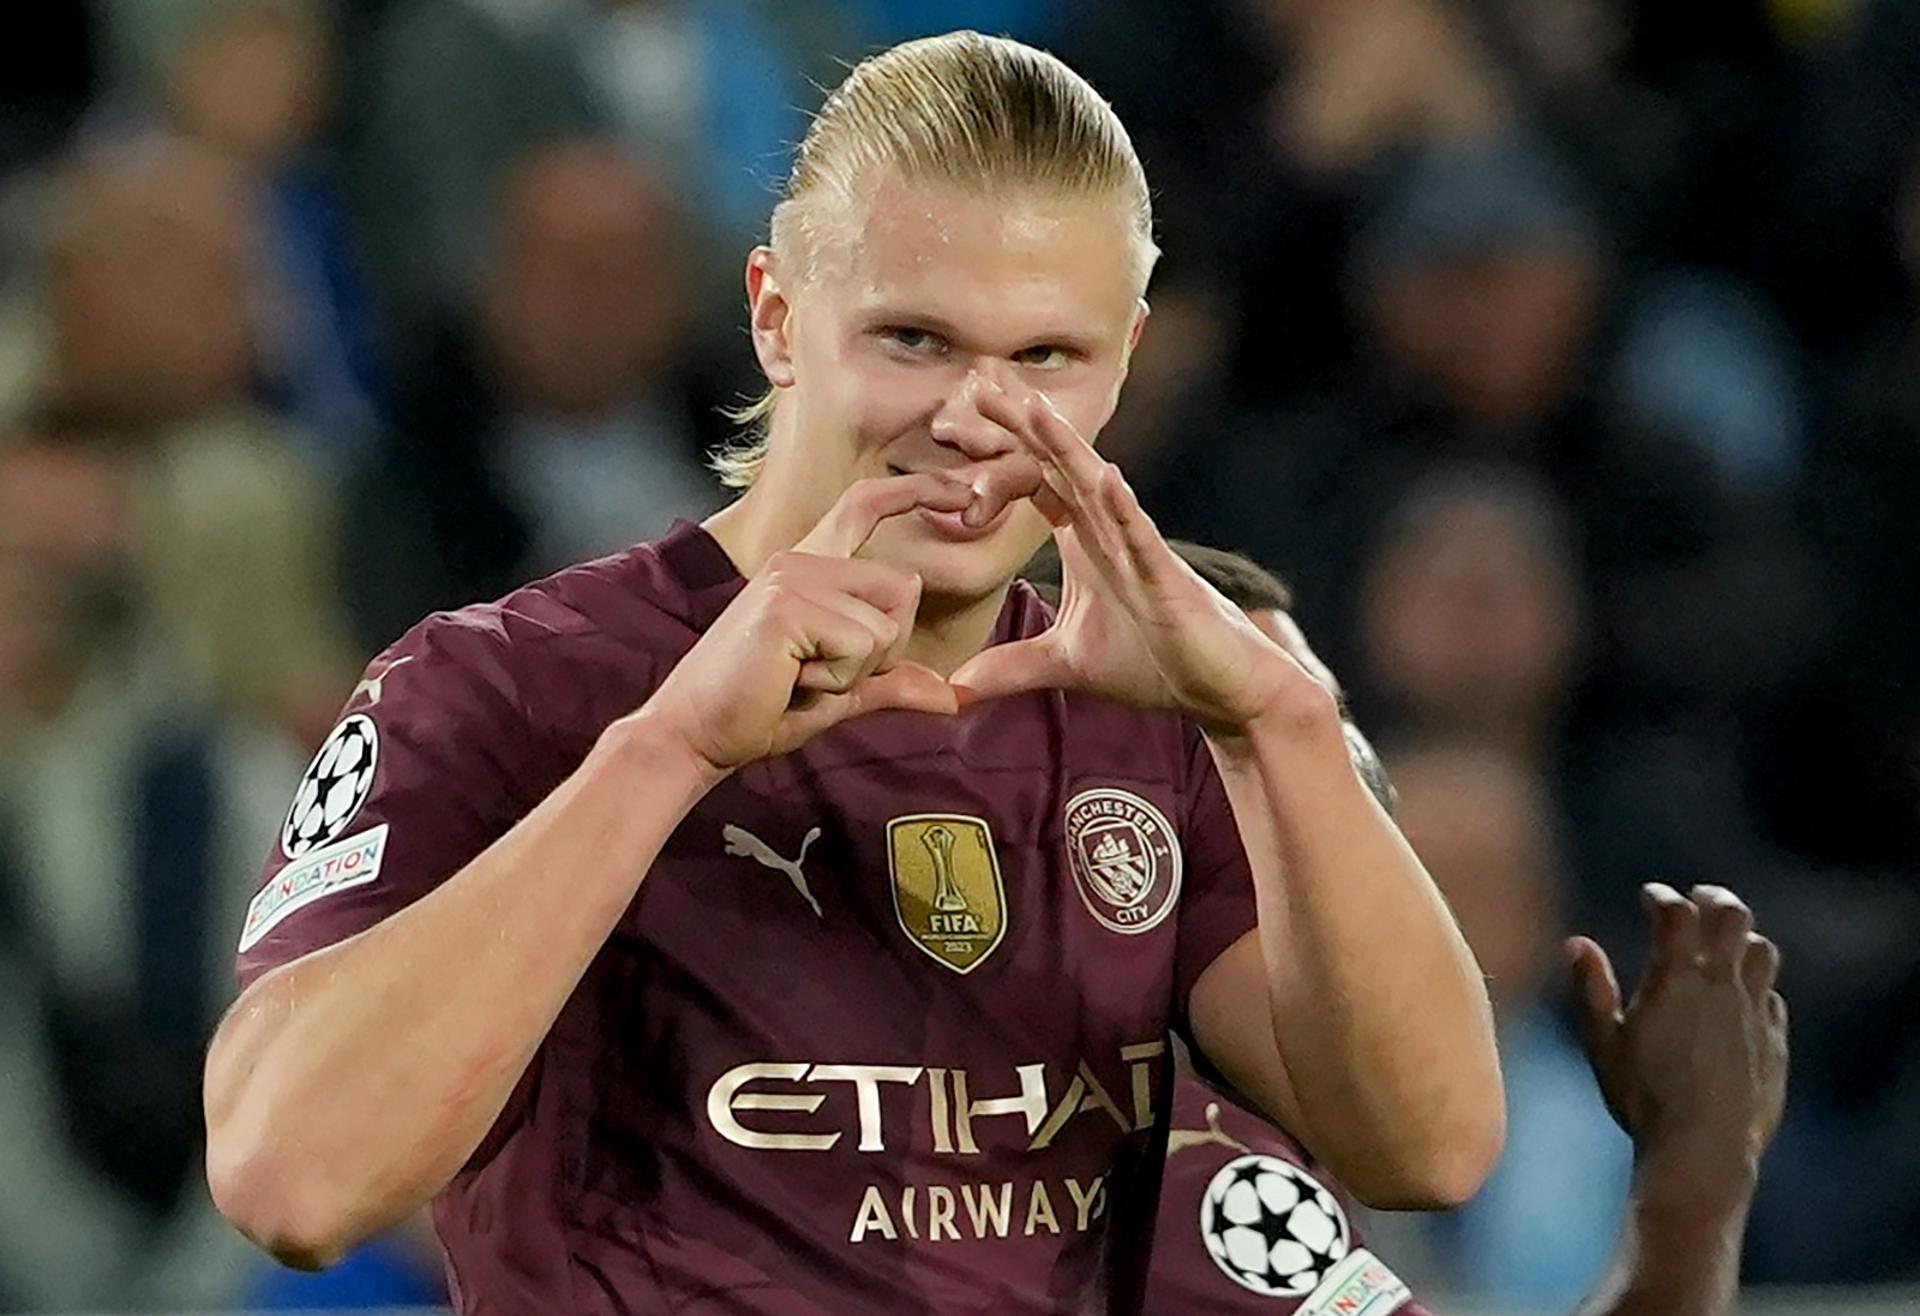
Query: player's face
{"points": [[923, 287]]}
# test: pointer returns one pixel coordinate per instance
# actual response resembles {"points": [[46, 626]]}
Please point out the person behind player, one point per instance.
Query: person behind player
{"points": [[1250, 1222], [788, 916]]}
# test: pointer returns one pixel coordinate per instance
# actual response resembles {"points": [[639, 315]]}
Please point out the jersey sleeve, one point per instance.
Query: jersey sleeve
{"points": [[426, 768], [1216, 898], [1248, 1222]]}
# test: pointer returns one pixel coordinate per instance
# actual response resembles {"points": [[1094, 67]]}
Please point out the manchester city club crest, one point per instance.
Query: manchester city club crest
{"points": [[946, 887], [1125, 858]]}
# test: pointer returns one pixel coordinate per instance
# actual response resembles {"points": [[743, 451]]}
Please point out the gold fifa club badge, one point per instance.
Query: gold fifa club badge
{"points": [[947, 890]]}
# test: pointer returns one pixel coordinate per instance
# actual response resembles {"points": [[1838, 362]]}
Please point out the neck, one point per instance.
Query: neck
{"points": [[947, 630]]}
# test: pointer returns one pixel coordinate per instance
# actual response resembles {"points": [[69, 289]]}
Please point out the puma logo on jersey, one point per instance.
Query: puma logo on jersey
{"points": [[742, 842], [1179, 1140], [370, 686]]}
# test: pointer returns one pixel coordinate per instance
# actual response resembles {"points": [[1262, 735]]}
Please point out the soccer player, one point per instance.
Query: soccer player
{"points": [[788, 916], [1694, 1069]]}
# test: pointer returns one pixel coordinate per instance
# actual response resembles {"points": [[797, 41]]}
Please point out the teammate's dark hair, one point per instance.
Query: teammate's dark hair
{"points": [[1243, 582]]}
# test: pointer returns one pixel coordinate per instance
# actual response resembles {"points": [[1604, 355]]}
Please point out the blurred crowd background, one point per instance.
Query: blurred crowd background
{"points": [[1564, 354]]}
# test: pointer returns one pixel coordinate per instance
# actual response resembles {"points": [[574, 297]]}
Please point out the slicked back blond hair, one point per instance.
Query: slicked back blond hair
{"points": [[977, 111]]}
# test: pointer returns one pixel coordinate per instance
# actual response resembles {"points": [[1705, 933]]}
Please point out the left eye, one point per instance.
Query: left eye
{"points": [[1043, 358]]}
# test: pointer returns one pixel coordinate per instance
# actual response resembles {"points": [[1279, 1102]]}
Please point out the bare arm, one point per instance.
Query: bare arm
{"points": [[1389, 1073], [1385, 1063], [1679, 1250], [1695, 1069], [346, 1088]]}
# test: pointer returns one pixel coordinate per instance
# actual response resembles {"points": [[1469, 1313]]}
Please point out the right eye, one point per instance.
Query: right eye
{"points": [[917, 342]]}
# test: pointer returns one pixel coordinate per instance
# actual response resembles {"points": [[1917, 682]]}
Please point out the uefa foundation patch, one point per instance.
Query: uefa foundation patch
{"points": [[349, 863], [1361, 1285]]}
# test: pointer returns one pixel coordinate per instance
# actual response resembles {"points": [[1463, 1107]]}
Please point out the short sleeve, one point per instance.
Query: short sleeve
{"points": [[430, 763], [1216, 897]]}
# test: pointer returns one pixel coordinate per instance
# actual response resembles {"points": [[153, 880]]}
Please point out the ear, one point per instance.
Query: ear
{"points": [[1140, 314], [770, 314]]}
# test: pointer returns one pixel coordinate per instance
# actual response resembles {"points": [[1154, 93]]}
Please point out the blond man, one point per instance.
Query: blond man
{"points": [[788, 916]]}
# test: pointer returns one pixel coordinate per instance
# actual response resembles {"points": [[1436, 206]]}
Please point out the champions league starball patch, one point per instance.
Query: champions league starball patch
{"points": [[1125, 858], [1271, 1227], [333, 787]]}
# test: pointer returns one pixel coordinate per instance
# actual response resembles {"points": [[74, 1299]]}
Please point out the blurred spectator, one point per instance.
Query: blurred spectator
{"points": [[238, 538], [130, 822], [1540, 1232], [1497, 326], [181, 651], [1855, 727], [568, 423], [460, 91], [253, 81], [46, 81], [1472, 616], [882, 23]]}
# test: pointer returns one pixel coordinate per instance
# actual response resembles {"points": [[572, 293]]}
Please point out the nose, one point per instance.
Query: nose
{"points": [[958, 424]]}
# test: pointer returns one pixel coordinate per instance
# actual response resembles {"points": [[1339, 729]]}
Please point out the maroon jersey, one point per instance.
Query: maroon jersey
{"points": [[884, 1029], [1250, 1224]]}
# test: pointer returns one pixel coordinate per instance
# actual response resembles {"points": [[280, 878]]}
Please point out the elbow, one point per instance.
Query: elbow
{"points": [[1442, 1175], [282, 1213]]}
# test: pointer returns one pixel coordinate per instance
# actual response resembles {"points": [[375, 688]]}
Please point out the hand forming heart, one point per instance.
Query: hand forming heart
{"points": [[1136, 624]]}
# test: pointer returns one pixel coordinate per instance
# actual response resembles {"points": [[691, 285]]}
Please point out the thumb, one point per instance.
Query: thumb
{"points": [[909, 686], [1599, 994], [1010, 669]]}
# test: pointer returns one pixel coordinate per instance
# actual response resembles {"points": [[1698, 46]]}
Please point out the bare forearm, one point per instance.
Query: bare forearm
{"points": [[350, 1086], [1679, 1251], [1384, 1026]]}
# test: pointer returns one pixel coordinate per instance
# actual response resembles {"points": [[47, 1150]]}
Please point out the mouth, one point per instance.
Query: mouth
{"points": [[950, 525]]}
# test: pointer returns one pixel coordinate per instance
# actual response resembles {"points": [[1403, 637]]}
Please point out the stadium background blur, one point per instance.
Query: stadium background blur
{"points": [[1561, 352]]}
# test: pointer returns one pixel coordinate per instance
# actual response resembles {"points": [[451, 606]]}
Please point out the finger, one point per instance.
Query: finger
{"points": [[1068, 447], [1759, 965], [888, 631], [833, 649], [1147, 550], [1600, 1017], [851, 521], [1777, 1011], [1034, 663], [1012, 475], [1676, 930], [894, 592], [909, 687], [1286, 631], [1057, 454], [1725, 922]]}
